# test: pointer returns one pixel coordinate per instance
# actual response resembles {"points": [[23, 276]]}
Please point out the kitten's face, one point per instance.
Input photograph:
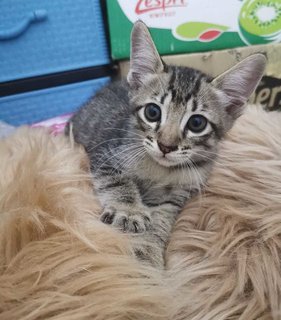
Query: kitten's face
{"points": [[178, 114], [181, 112]]}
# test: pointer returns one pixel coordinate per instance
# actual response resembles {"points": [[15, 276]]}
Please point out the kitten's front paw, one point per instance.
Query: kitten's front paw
{"points": [[127, 220]]}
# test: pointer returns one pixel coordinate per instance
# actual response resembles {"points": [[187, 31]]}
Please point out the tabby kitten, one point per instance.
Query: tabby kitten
{"points": [[152, 139]]}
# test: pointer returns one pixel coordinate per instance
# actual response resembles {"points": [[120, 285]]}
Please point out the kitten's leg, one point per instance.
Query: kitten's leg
{"points": [[151, 247], [122, 204]]}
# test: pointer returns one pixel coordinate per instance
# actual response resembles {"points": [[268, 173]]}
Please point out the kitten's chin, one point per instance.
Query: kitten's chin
{"points": [[164, 161]]}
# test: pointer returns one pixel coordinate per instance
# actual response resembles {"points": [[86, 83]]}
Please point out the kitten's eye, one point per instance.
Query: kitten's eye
{"points": [[152, 112], [197, 123]]}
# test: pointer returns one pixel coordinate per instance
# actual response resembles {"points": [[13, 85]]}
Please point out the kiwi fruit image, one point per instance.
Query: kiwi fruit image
{"points": [[260, 21]]}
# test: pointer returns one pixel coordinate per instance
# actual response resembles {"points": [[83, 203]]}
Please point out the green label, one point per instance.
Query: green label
{"points": [[181, 26]]}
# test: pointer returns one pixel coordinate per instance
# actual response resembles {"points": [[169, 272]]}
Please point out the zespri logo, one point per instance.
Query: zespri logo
{"points": [[144, 6]]}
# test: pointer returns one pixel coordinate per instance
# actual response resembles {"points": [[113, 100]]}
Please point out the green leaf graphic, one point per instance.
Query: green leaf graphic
{"points": [[192, 30]]}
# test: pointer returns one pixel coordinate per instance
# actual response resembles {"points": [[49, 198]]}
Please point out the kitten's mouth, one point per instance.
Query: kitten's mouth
{"points": [[163, 160]]}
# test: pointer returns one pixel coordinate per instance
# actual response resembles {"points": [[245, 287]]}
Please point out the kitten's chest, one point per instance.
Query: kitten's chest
{"points": [[154, 194]]}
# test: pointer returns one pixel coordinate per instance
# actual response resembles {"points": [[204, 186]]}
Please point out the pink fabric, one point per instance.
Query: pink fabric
{"points": [[56, 125]]}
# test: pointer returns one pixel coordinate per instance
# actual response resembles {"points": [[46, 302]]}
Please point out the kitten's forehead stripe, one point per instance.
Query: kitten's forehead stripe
{"points": [[188, 97], [174, 93], [197, 84], [204, 107], [184, 83], [163, 97], [172, 80], [194, 105]]}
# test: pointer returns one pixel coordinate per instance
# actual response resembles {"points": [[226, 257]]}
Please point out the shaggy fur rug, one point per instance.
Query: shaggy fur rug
{"points": [[57, 261]]}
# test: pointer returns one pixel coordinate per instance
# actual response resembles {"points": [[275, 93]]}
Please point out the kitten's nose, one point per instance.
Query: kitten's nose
{"points": [[166, 149]]}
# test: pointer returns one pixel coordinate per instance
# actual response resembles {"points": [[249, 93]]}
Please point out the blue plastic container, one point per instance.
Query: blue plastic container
{"points": [[47, 36], [31, 107]]}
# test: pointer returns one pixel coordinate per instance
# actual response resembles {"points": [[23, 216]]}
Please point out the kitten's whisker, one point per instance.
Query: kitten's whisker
{"points": [[132, 159], [215, 154], [201, 190], [116, 155], [199, 175], [213, 160], [109, 140], [132, 163], [217, 157], [192, 170], [124, 130], [114, 152], [186, 172], [128, 160], [193, 166], [122, 161]]}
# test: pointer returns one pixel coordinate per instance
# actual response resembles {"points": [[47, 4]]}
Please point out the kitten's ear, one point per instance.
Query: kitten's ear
{"points": [[239, 82], [145, 59]]}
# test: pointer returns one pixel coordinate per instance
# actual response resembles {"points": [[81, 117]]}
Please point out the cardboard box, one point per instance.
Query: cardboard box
{"points": [[180, 26], [268, 92]]}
